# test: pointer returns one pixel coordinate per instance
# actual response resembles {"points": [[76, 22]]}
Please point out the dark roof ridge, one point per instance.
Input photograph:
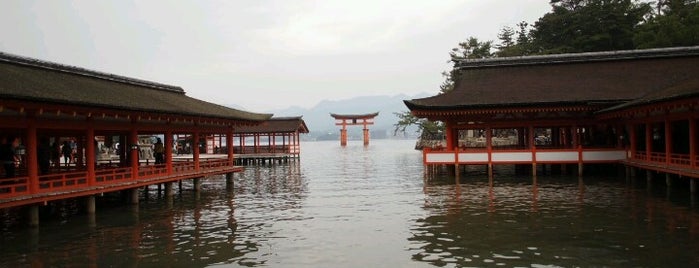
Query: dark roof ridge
{"points": [[341, 116], [287, 117], [22, 60], [462, 63]]}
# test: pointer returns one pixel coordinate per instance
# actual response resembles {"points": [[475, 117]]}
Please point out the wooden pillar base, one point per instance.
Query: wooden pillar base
{"points": [[197, 184], [649, 178], [668, 180], [229, 179], [169, 189], [90, 205], [133, 196], [692, 186], [33, 216]]}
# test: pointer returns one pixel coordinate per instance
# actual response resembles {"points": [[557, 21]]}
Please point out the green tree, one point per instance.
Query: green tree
{"points": [[509, 46], [675, 23], [588, 25], [472, 48]]}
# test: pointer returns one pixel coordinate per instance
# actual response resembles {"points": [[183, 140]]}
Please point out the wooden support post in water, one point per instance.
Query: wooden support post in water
{"points": [[197, 184], [229, 180], [33, 215], [668, 179], [649, 178], [133, 196], [168, 189], [692, 186], [90, 205]]}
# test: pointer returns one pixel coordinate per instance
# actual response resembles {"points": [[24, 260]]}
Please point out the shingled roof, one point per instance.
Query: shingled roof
{"points": [[276, 125], [29, 79], [686, 89], [567, 79]]}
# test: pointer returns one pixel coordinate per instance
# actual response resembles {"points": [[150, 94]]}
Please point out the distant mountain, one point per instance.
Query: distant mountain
{"points": [[322, 125]]}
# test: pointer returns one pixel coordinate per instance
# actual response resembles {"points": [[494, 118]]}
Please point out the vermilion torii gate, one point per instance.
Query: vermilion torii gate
{"points": [[345, 120]]}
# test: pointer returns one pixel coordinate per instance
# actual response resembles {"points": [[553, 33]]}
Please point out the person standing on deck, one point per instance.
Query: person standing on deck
{"points": [[159, 150], [8, 155], [67, 153]]}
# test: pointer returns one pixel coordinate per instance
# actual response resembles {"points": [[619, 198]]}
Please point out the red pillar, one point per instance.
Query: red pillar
{"points": [[366, 133], [274, 143], [195, 149], [31, 151], [343, 134], [168, 151], [90, 150], [229, 146], [449, 135], [132, 146]]}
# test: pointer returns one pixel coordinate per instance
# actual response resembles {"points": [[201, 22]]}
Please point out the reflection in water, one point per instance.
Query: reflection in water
{"points": [[373, 207], [193, 230], [553, 221]]}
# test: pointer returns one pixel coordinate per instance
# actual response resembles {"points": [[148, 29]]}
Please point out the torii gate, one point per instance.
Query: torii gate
{"points": [[345, 120]]}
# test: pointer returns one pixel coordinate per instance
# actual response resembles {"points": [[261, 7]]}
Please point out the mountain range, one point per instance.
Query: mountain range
{"points": [[321, 124]]}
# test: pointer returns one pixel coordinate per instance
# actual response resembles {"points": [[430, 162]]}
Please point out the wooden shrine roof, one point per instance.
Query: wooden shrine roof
{"points": [[607, 78], [276, 125], [27, 79], [686, 89], [354, 116]]}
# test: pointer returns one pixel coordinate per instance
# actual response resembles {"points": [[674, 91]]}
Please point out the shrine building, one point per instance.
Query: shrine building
{"points": [[637, 108], [275, 140], [100, 121]]}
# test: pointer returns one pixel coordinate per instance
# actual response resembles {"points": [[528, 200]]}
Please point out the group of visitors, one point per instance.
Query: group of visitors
{"points": [[47, 154]]}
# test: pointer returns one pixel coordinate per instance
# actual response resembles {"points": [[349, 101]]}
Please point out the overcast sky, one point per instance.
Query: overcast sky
{"points": [[258, 54]]}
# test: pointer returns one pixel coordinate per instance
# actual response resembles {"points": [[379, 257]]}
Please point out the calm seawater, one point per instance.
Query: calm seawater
{"points": [[373, 207]]}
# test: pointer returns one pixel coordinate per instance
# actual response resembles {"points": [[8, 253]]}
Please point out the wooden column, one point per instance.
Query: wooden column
{"points": [[668, 141], [31, 153], [365, 131], [195, 150], [168, 142], [90, 152], [449, 135], [649, 140], [343, 133], [229, 145], [633, 140], [532, 147], [693, 142], [489, 147], [132, 146]]}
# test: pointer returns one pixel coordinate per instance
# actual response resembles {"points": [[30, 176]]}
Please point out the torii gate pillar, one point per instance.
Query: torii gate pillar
{"points": [[352, 120]]}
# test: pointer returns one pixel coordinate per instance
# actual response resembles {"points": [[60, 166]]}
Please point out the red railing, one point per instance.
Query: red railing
{"points": [[150, 171], [183, 166], [111, 175], [62, 181], [213, 163], [78, 179], [14, 186]]}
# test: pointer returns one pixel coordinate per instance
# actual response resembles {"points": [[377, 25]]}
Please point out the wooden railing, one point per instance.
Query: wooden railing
{"points": [[14, 186], [60, 181], [78, 179], [149, 171], [112, 175]]}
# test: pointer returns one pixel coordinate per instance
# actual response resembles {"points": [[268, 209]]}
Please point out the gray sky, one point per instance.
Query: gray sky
{"points": [[257, 54]]}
